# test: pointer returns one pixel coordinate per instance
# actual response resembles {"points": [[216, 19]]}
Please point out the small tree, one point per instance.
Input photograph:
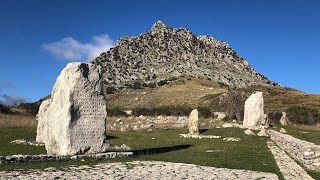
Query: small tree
{"points": [[232, 103]]}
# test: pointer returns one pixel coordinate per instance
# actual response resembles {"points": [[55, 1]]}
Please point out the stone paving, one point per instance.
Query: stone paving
{"points": [[288, 167], [139, 170]]}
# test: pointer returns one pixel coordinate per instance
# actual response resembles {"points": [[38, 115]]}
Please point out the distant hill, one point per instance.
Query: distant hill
{"points": [[169, 71], [165, 53]]}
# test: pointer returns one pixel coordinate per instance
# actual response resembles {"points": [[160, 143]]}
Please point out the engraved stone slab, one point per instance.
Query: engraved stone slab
{"points": [[73, 120]]}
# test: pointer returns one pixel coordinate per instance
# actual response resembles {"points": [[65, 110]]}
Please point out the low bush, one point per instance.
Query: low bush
{"points": [[117, 111], [110, 90], [4, 109], [171, 111], [274, 117], [303, 115]]}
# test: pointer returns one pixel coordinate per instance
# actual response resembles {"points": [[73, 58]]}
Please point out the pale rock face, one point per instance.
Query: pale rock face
{"points": [[265, 122], [263, 133], [42, 123], [73, 121], [282, 130], [253, 110], [193, 122], [284, 121], [221, 116], [249, 132]]}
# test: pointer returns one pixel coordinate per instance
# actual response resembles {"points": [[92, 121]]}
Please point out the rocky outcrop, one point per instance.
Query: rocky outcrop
{"points": [[193, 122], [164, 53], [253, 110], [73, 120]]}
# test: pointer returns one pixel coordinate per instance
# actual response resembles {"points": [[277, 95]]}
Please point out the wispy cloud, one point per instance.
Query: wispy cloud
{"points": [[6, 85], [72, 50], [11, 99]]}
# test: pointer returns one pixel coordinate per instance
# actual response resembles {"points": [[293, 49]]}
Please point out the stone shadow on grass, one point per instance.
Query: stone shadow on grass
{"points": [[161, 150], [111, 137], [202, 130]]}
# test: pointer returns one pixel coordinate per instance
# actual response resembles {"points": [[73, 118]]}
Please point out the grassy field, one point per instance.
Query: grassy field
{"points": [[305, 132], [161, 145], [249, 153]]}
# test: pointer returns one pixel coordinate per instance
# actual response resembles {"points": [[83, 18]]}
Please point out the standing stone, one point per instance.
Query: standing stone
{"points": [[265, 122], [42, 123], [193, 122], [284, 121], [73, 120], [253, 110], [263, 133]]}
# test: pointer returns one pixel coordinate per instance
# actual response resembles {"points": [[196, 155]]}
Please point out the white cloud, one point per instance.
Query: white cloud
{"points": [[72, 50], [10, 99]]}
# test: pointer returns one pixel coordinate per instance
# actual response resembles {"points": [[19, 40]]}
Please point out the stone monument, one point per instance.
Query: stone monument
{"points": [[73, 120], [253, 110], [284, 121], [193, 122]]}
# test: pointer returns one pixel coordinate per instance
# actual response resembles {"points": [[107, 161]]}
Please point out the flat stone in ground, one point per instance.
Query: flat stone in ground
{"points": [[140, 170], [288, 167]]}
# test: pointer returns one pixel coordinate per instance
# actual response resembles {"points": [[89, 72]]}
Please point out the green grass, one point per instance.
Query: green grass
{"points": [[304, 134], [9, 134], [250, 153]]}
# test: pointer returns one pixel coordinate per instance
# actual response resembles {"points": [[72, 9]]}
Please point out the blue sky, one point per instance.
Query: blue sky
{"points": [[280, 39]]}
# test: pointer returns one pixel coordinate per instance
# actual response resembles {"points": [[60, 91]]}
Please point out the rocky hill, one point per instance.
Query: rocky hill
{"points": [[165, 53]]}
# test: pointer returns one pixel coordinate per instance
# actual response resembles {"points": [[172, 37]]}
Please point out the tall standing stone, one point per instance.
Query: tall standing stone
{"points": [[42, 123], [73, 120], [193, 122], [284, 121], [253, 110]]}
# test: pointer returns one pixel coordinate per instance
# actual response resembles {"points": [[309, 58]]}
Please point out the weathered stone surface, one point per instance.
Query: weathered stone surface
{"points": [[73, 120], [137, 170], [265, 123], [282, 130], [253, 110], [249, 132], [175, 53], [193, 122], [303, 151], [231, 139], [288, 167], [199, 136], [42, 122], [284, 121], [222, 116], [263, 133]]}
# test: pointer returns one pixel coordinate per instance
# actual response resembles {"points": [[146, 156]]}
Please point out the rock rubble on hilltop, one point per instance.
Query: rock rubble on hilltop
{"points": [[164, 53]]}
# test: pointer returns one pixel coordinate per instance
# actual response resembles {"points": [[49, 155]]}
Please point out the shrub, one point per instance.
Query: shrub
{"points": [[303, 115], [142, 111], [204, 112], [162, 82], [151, 85], [4, 109], [232, 103], [110, 90], [170, 111], [274, 117], [117, 111]]}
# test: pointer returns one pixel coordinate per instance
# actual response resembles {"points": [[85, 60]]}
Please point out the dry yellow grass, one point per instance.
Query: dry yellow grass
{"points": [[186, 91], [17, 121]]}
